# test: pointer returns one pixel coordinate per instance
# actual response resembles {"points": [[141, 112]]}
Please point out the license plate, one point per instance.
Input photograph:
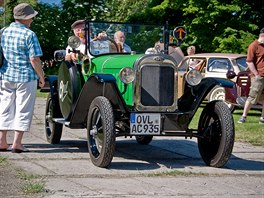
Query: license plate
{"points": [[144, 124]]}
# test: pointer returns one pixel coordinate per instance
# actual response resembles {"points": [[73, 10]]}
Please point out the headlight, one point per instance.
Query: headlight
{"points": [[127, 75], [193, 77], [74, 42]]}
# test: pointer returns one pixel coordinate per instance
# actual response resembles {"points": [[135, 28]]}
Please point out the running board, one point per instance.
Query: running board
{"points": [[61, 121]]}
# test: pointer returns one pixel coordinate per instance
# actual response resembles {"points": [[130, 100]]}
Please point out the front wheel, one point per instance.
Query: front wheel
{"points": [[101, 132], [216, 134], [53, 129]]}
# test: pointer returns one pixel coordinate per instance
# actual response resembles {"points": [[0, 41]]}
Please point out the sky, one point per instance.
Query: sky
{"points": [[51, 1]]}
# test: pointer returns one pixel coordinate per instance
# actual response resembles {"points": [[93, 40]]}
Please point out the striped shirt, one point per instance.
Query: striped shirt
{"points": [[19, 43]]}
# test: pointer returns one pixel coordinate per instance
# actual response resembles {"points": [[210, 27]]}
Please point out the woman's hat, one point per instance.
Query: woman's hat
{"points": [[24, 11]]}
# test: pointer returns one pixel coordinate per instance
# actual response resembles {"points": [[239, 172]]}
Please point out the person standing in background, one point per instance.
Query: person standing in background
{"points": [[19, 74], [255, 62]]}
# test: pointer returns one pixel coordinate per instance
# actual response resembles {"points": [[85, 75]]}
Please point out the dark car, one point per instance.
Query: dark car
{"points": [[237, 95]]}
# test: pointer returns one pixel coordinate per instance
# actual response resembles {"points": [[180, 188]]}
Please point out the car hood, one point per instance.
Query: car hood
{"points": [[104, 63]]}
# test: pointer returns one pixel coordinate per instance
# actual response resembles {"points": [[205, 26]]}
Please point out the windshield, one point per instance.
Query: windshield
{"points": [[108, 38], [241, 63]]}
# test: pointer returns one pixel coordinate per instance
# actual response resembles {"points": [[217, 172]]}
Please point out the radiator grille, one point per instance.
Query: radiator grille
{"points": [[157, 86]]}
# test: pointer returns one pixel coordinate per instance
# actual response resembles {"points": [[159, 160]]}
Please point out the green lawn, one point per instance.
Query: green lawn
{"points": [[251, 132]]}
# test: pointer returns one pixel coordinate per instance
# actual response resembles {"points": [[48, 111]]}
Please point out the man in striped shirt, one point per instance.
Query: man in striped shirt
{"points": [[19, 74]]}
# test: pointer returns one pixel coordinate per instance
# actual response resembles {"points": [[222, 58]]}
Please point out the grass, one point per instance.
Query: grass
{"points": [[2, 161], [33, 187], [42, 94], [174, 173], [250, 132], [33, 183]]}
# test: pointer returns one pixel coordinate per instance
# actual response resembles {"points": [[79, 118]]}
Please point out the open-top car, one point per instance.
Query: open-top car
{"points": [[112, 93]]}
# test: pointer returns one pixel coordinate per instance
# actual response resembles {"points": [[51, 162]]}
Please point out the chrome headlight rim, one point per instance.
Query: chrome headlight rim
{"points": [[74, 42], [127, 75], [193, 77]]}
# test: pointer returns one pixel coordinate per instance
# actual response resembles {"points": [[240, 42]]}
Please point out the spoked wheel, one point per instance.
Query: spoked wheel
{"points": [[144, 139], [101, 132], [218, 93], [216, 134], [53, 129]]}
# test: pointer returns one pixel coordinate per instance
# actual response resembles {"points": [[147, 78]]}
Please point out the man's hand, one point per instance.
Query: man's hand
{"points": [[41, 82], [71, 57]]}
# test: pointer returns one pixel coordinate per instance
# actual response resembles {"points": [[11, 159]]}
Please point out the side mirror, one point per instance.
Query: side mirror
{"points": [[59, 55], [230, 74]]}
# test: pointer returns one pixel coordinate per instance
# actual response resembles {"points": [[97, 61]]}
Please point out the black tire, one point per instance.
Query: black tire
{"points": [[145, 140], [53, 129], [101, 132], [216, 134]]}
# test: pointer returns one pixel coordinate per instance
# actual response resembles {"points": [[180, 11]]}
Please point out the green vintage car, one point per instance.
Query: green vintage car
{"points": [[112, 93]]}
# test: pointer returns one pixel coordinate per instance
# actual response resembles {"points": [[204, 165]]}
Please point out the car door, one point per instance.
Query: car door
{"points": [[184, 68]]}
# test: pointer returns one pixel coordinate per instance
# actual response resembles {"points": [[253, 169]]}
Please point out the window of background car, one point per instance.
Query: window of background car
{"points": [[219, 65], [241, 63]]}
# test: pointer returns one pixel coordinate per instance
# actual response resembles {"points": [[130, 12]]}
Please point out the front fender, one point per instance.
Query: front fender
{"points": [[96, 85], [194, 95], [53, 86]]}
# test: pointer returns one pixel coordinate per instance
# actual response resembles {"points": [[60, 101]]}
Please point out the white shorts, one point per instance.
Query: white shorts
{"points": [[17, 102]]}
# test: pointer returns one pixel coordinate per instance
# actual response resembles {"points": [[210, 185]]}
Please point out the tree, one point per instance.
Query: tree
{"points": [[212, 25]]}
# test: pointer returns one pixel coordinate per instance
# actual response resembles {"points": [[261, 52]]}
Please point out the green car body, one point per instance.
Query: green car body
{"points": [[112, 64]]}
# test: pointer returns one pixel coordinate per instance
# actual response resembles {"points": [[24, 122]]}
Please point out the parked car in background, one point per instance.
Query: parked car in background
{"points": [[212, 65], [237, 95]]}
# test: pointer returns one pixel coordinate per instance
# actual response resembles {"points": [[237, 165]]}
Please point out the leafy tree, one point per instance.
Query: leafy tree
{"points": [[6, 16], [212, 25], [51, 33]]}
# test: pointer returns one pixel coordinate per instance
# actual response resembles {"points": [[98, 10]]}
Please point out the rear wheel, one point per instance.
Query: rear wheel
{"points": [[53, 129], [144, 139], [216, 134], [100, 132]]}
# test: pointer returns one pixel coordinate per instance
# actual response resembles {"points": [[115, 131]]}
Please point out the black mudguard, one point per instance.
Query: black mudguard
{"points": [[96, 85], [194, 95], [53, 79]]}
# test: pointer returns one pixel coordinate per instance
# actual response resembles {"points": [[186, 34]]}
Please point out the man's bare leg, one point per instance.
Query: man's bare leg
{"points": [[3, 142], [17, 143]]}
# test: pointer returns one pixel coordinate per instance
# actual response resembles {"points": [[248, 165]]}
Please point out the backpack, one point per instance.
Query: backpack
{"points": [[1, 50]]}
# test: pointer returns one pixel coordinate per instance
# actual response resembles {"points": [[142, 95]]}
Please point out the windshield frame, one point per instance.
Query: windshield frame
{"points": [[94, 31]]}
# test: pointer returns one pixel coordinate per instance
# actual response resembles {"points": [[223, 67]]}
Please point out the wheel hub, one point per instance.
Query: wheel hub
{"points": [[94, 131]]}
